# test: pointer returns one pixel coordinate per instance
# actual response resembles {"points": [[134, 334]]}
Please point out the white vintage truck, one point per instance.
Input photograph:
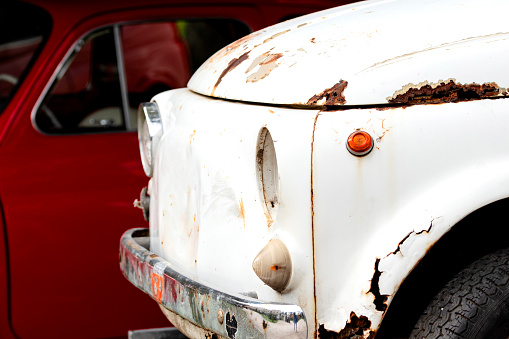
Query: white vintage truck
{"points": [[341, 175]]}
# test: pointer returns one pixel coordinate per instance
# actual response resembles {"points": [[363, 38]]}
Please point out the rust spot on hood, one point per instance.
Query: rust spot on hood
{"points": [[231, 65], [357, 327], [331, 96], [443, 92]]}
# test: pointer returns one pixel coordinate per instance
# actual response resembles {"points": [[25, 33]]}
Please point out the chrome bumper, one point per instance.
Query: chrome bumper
{"points": [[226, 315]]}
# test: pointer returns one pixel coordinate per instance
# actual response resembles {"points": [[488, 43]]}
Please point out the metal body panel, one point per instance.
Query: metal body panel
{"points": [[372, 218], [377, 49], [209, 218], [380, 214]]}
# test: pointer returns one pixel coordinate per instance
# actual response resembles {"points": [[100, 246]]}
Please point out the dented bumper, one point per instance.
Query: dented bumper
{"points": [[202, 306]]}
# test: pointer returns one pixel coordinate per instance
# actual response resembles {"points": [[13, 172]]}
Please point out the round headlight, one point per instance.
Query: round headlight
{"points": [[150, 131]]}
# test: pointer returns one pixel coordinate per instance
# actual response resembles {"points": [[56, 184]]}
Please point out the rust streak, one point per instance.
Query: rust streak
{"points": [[357, 327], [231, 65], [331, 96], [242, 211], [445, 91], [313, 214]]}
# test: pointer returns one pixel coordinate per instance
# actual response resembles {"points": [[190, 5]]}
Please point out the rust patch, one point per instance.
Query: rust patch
{"points": [[444, 92], [357, 327], [331, 96], [380, 299], [266, 63], [231, 65], [385, 108]]}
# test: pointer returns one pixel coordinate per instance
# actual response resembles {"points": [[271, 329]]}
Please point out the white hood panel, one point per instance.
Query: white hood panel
{"points": [[367, 53]]}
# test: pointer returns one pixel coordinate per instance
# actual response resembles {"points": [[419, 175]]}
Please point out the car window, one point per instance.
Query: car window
{"points": [[24, 28], [116, 68]]}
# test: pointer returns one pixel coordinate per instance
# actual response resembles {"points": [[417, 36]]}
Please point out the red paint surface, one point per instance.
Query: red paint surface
{"points": [[67, 199]]}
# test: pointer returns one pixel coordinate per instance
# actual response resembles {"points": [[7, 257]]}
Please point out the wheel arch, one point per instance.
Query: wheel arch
{"points": [[455, 250]]}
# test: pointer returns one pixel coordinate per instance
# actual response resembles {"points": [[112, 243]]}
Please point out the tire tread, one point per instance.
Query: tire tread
{"points": [[462, 303]]}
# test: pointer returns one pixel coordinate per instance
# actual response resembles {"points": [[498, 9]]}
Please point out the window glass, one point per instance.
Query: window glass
{"points": [[24, 27], [86, 96], [156, 56]]}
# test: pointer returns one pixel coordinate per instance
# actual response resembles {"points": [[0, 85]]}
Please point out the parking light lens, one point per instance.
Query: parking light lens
{"points": [[359, 143], [273, 265]]}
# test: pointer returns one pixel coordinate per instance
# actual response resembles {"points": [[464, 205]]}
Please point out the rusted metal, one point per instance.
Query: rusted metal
{"points": [[231, 65], [380, 299], [357, 327], [445, 91], [331, 96]]}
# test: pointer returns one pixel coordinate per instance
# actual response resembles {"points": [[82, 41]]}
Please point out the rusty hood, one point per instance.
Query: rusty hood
{"points": [[367, 53]]}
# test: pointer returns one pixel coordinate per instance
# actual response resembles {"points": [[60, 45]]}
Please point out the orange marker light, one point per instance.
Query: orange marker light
{"points": [[359, 143]]}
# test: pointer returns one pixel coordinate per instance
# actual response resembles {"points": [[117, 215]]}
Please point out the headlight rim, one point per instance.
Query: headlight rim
{"points": [[149, 116]]}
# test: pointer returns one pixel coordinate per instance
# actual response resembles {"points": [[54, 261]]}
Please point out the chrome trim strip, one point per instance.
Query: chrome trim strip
{"points": [[227, 315], [149, 112], [122, 77]]}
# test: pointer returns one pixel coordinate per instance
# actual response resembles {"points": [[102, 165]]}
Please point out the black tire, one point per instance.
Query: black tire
{"points": [[475, 304]]}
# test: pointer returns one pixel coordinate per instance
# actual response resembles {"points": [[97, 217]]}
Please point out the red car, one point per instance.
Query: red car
{"points": [[71, 76]]}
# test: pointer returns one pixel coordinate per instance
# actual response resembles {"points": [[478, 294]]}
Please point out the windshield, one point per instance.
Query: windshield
{"points": [[23, 28]]}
